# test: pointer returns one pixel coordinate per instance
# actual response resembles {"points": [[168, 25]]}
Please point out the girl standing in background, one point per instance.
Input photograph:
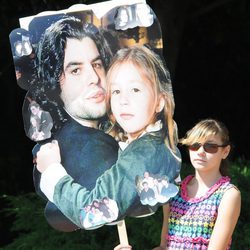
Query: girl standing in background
{"points": [[205, 212]]}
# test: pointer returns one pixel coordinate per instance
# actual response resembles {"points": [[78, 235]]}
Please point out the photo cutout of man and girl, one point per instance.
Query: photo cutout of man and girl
{"points": [[100, 107]]}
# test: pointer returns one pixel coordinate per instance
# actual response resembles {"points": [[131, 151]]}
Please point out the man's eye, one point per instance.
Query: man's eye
{"points": [[75, 71], [97, 65]]}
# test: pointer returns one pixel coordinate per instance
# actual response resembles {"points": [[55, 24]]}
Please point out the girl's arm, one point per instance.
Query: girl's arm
{"points": [[164, 230], [118, 183], [228, 214]]}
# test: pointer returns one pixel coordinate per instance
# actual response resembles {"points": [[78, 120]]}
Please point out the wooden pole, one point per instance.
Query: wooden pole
{"points": [[121, 226]]}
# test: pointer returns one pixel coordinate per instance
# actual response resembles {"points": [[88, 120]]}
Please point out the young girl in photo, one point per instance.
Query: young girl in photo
{"points": [[204, 213], [140, 102]]}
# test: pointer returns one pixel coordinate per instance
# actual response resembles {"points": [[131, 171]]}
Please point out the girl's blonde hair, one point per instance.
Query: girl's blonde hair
{"points": [[156, 72], [202, 131]]}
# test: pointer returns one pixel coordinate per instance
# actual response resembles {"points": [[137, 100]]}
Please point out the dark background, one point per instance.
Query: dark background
{"points": [[206, 46]]}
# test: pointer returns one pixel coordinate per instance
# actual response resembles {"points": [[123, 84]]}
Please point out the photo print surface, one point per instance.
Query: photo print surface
{"points": [[99, 105]]}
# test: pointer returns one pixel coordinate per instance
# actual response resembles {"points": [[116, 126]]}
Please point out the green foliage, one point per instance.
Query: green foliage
{"points": [[240, 174], [144, 233], [32, 231]]}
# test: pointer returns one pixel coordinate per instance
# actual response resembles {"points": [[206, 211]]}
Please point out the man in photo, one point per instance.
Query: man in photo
{"points": [[72, 59], [41, 123]]}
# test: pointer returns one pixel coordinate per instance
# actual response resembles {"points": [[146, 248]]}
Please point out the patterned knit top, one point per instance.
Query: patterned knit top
{"points": [[192, 220]]}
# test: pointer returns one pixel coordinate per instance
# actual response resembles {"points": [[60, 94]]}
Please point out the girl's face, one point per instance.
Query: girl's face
{"points": [[133, 99], [204, 161]]}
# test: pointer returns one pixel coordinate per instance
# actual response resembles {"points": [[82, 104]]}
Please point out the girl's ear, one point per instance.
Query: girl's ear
{"points": [[160, 105], [226, 151]]}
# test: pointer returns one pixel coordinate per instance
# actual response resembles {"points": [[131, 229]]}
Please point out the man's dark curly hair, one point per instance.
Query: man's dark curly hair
{"points": [[45, 88]]}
